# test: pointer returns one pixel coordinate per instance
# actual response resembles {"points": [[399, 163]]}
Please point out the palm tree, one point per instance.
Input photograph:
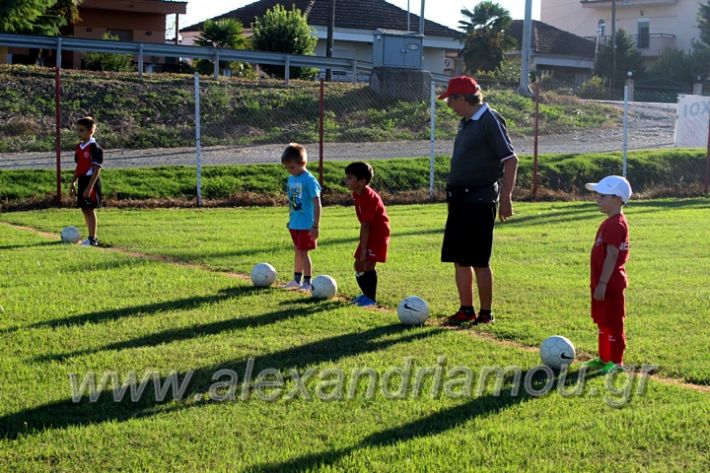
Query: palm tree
{"points": [[485, 36], [227, 33]]}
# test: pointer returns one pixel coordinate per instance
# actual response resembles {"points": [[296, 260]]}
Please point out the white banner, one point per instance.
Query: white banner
{"points": [[692, 119]]}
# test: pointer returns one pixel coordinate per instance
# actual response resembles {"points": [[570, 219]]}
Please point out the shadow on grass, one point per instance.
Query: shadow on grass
{"points": [[306, 308], [438, 423], [31, 245], [589, 211], [67, 412], [187, 303]]}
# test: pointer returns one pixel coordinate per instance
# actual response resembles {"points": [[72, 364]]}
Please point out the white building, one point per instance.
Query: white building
{"points": [[655, 24]]}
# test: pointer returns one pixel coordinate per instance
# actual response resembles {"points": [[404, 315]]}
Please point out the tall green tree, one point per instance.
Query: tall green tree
{"points": [[485, 36], [701, 49], [676, 66], [227, 33], [628, 58], [40, 17], [704, 22], [284, 31], [43, 17]]}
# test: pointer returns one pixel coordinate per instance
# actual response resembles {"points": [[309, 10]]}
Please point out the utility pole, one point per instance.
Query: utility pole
{"points": [[409, 21], [421, 21], [613, 46], [524, 88], [330, 38], [421, 32]]}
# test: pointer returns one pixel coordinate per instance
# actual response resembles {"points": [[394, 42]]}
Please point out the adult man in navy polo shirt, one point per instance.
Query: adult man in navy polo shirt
{"points": [[483, 154]]}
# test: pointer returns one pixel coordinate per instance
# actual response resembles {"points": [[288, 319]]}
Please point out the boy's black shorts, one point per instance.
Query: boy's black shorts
{"points": [[468, 238], [94, 200]]}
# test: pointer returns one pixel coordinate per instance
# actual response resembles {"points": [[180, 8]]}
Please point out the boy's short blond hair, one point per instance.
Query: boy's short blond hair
{"points": [[294, 153]]}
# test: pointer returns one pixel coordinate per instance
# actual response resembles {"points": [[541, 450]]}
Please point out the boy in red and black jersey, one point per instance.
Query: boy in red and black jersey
{"points": [[89, 158], [374, 231], [608, 275]]}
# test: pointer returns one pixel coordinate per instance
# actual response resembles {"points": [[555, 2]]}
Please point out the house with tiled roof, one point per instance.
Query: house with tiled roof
{"points": [[556, 53], [356, 23], [128, 20]]}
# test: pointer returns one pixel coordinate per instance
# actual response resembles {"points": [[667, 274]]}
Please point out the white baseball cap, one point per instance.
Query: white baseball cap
{"points": [[612, 185]]}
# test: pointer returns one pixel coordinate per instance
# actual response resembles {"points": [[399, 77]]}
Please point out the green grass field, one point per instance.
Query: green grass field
{"points": [[651, 171], [67, 309]]}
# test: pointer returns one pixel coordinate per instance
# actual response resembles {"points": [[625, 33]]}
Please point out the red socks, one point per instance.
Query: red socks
{"points": [[604, 348], [612, 344], [617, 344]]}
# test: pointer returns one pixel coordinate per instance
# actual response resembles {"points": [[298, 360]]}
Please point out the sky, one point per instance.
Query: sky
{"points": [[446, 12]]}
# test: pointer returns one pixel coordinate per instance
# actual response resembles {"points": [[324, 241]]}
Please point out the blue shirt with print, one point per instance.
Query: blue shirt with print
{"points": [[302, 189]]}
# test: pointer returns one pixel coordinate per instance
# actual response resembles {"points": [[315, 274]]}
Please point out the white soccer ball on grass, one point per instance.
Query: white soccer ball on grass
{"points": [[324, 287], [263, 275], [70, 235], [557, 351], [413, 310]]}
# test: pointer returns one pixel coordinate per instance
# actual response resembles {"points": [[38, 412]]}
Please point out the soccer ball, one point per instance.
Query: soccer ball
{"points": [[413, 310], [263, 275], [70, 235], [324, 287], [556, 352]]}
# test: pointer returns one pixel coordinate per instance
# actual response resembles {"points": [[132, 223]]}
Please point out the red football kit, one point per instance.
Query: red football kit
{"points": [[86, 156], [370, 208], [610, 313]]}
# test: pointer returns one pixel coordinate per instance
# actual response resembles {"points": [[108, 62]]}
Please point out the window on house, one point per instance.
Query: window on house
{"points": [[644, 34], [123, 35]]}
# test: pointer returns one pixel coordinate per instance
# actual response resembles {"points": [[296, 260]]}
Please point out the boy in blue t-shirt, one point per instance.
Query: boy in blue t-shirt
{"points": [[304, 214]]}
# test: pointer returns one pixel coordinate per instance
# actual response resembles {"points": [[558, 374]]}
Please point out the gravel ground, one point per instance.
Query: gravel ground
{"points": [[651, 126]]}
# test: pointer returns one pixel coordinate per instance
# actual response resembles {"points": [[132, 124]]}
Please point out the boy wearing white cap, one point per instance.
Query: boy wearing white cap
{"points": [[608, 276]]}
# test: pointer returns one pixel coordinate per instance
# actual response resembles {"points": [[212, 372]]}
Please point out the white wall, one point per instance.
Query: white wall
{"points": [[678, 19]]}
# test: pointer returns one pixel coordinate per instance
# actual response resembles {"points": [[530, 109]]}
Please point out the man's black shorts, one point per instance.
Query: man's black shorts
{"points": [[94, 200], [468, 238]]}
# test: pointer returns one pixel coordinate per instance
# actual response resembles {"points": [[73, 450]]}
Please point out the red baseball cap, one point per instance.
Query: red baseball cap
{"points": [[462, 85]]}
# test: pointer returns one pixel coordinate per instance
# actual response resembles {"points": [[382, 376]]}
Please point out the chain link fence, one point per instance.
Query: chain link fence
{"points": [[580, 134]]}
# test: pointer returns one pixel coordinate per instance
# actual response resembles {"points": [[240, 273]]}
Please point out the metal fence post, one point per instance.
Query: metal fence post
{"points": [[536, 140], [432, 155], [216, 65], [58, 117], [287, 69], [140, 60], [707, 162], [626, 130], [321, 132], [354, 71], [198, 140]]}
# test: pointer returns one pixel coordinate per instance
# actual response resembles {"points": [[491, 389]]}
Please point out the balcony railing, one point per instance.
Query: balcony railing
{"points": [[652, 45], [626, 3]]}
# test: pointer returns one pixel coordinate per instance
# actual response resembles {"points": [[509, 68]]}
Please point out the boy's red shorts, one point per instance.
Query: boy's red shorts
{"points": [[610, 312], [377, 249], [302, 240]]}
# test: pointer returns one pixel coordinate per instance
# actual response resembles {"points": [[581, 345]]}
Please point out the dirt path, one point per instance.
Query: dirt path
{"points": [[581, 356], [651, 126]]}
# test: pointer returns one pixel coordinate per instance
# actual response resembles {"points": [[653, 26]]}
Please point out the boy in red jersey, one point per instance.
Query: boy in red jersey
{"points": [[374, 231], [608, 276], [89, 158]]}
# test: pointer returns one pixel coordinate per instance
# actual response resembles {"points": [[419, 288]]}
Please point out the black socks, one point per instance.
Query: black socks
{"points": [[368, 283]]}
